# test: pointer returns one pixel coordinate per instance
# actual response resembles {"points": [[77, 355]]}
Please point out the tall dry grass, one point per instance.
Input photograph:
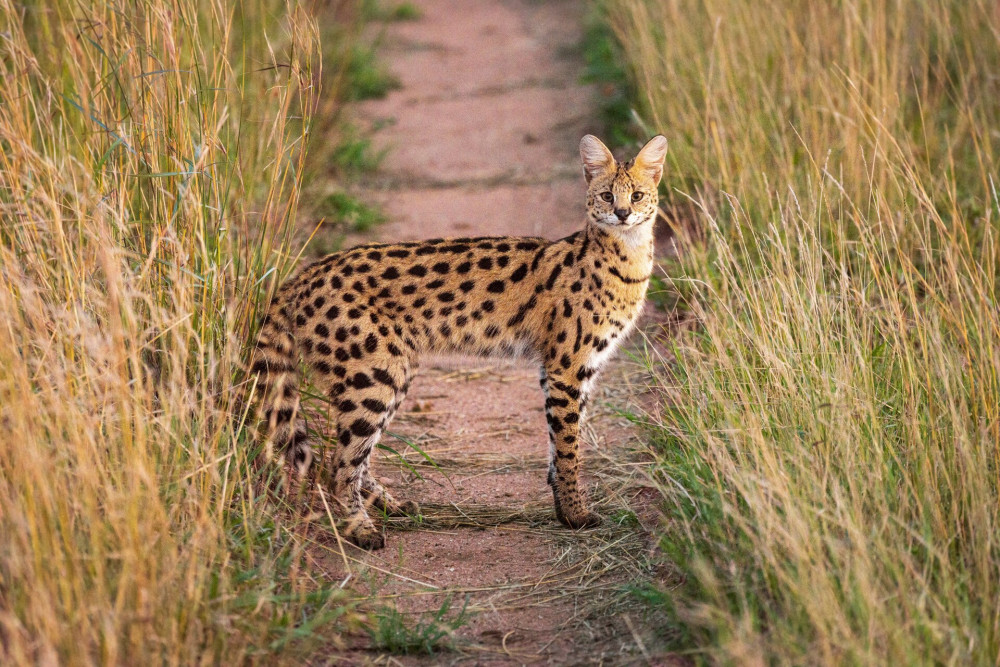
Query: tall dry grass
{"points": [[829, 451], [150, 161]]}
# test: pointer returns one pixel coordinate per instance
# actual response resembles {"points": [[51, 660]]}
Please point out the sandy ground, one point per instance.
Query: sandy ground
{"points": [[482, 139]]}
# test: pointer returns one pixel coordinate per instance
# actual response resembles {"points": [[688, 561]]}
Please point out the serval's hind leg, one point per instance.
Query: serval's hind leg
{"points": [[375, 493], [365, 399]]}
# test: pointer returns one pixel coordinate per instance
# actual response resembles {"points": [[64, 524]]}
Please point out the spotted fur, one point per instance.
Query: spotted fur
{"points": [[360, 319]]}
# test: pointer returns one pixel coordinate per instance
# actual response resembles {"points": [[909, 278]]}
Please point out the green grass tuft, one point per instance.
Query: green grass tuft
{"points": [[430, 634], [353, 155], [405, 11], [344, 209], [366, 77], [375, 10]]}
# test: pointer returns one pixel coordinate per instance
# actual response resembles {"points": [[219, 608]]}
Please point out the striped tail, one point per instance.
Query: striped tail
{"points": [[274, 381]]}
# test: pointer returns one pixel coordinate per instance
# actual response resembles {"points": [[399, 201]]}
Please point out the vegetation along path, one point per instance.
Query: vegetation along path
{"points": [[481, 139]]}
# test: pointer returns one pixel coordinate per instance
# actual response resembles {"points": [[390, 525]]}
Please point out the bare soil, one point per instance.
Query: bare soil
{"points": [[481, 140]]}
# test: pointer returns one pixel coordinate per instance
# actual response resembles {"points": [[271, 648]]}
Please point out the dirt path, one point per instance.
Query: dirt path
{"points": [[482, 140]]}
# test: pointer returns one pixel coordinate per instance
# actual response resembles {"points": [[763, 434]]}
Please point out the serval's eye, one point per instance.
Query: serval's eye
{"points": [[637, 196], [607, 196]]}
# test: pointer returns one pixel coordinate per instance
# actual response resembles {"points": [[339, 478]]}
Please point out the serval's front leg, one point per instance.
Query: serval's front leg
{"points": [[563, 411]]}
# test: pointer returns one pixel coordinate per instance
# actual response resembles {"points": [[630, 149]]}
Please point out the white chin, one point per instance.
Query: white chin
{"points": [[615, 222]]}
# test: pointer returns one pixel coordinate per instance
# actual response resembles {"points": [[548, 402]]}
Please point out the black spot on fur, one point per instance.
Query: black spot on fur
{"points": [[552, 402], [522, 310], [362, 428], [361, 381], [519, 273], [383, 377], [554, 423], [550, 283]]}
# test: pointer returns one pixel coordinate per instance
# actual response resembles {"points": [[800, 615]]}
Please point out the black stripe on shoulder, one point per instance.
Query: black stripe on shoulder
{"points": [[628, 281]]}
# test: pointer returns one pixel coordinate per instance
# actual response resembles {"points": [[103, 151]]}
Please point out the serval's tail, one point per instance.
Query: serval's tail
{"points": [[274, 382]]}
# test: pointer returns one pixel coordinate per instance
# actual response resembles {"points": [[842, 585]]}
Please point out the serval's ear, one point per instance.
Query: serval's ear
{"points": [[649, 161], [595, 156]]}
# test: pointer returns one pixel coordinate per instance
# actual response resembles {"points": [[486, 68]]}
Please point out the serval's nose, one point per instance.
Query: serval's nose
{"points": [[622, 213]]}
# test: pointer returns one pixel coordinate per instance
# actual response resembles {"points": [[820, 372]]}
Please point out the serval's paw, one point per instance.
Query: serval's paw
{"points": [[582, 518], [405, 508], [367, 537], [379, 497]]}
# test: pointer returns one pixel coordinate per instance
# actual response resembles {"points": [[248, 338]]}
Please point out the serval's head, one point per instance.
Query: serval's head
{"points": [[622, 195]]}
